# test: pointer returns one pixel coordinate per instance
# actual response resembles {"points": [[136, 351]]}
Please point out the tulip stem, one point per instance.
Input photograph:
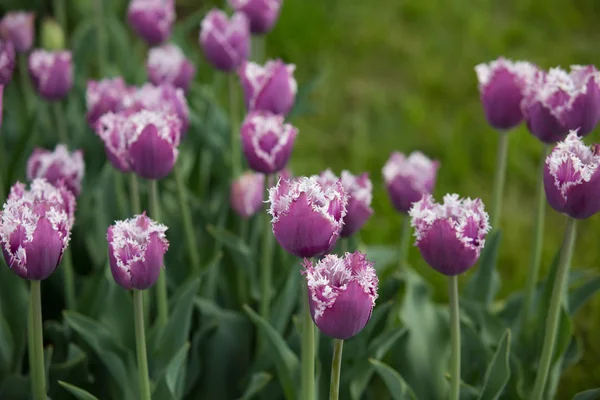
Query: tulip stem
{"points": [[61, 127], [67, 267], [161, 285], [538, 239], [233, 121], [186, 215], [242, 288], [60, 12], [499, 178], [404, 241], [140, 344], [119, 193], [38, 371], [336, 367], [25, 84], [454, 338], [99, 11], [134, 194], [258, 48], [554, 310], [265, 265], [308, 350]]}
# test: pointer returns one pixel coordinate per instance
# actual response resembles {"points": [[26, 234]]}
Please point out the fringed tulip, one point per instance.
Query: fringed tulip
{"points": [[167, 64], [226, 42], [262, 13], [51, 73], [271, 87], [18, 27], [104, 96], [7, 61], [247, 194], [56, 166], [152, 20], [111, 129]]}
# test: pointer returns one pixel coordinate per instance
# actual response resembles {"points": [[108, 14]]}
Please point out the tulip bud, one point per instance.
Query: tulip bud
{"points": [[408, 179], [152, 140], [269, 88], [56, 166], [136, 250], [267, 142], [247, 193], [167, 64], [17, 27], [450, 236], [261, 13], [572, 178], [104, 96], [152, 20], [225, 42], [35, 229], [7, 61], [52, 35], [341, 293], [307, 218], [51, 73], [111, 129]]}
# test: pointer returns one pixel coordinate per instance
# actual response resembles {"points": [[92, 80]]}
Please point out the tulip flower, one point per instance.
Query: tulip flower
{"points": [[167, 64], [7, 61], [262, 13], [225, 42], [58, 165], [271, 87], [51, 73], [247, 193], [104, 96], [110, 127], [18, 27], [152, 20]]}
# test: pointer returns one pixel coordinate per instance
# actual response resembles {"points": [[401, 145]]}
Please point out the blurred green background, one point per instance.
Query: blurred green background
{"points": [[398, 75]]}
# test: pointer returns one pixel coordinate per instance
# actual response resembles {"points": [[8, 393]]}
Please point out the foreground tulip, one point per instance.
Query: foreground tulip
{"points": [[152, 19], [110, 127], [102, 97], [307, 218], [7, 61], [51, 73], [167, 64], [56, 166], [225, 42], [17, 27], [247, 193], [267, 141], [261, 13], [271, 87]]}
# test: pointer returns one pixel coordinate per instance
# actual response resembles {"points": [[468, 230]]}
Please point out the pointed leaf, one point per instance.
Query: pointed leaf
{"points": [[175, 376], [591, 394], [396, 385], [580, 295], [484, 284], [77, 392], [286, 302], [257, 382], [498, 372]]}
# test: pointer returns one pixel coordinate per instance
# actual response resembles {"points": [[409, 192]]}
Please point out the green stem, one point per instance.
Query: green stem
{"points": [[242, 287], [554, 310], [234, 120], [161, 285], [38, 370], [69, 275], [61, 126], [25, 83], [404, 241], [120, 193], [499, 178], [186, 215], [99, 11], [454, 338], [258, 48], [308, 350], [538, 240], [265, 266], [60, 12], [30, 342], [140, 344], [336, 367], [134, 193]]}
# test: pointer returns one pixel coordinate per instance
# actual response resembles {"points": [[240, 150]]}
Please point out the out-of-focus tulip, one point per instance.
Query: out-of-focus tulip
{"points": [[51, 73], [226, 42], [56, 166], [247, 194], [271, 87], [17, 27], [7, 61], [167, 64], [152, 20], [104, 96], [262, 13], [52, 35]]}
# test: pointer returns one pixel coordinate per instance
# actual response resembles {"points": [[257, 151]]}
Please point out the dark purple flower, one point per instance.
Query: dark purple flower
{"points": [[267, 142], [51, 73], [111, 128], [502, 84], [307, 218], [152, 19], [450, 236], [226, 42], [341, 293], [17, 27], [408, 178], [104, 96], [167, 64], [269, 88], [35, 228], [7, 61], [261, 13], [247, 194], [56, 166], [572, 178], [136, 250]]}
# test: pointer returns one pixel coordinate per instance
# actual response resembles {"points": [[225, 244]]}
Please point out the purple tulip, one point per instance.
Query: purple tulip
{"points": [[51, 73], [341, 293], [35, 228], [104, 96], [226, 42], [269, 88], [152, 20], [17, 27], [261, 13], [7, 61], [572, 178], [136, 250], [247, 194], [167, 64], [408, 179], [450, 236], [111, 129], [307, 218], [267, 142], [502, 84], [57, 165], [152, 140]]}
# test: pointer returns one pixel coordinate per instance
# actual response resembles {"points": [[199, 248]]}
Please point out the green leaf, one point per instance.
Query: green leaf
{"points": [[591, 394], [484, 284], [383, 256], [15, 387], [498, 372], [285, 360], [7, 348], [14, 305], [286, 302], [77, 392], [397, 386], [580, 295], [238, 248], [257, 382], [171, 384], [563, 338]]}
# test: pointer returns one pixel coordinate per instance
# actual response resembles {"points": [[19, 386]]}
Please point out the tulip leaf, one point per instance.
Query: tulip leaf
{"points": [[591, 394], [15, 387], [171, 385], [485, 282], [286, 362], [287, 300], [397, 386], [78, 393], [580, 295], [14, 306], [498, 372], [257, 383], [382, 256], [6, 346]]}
